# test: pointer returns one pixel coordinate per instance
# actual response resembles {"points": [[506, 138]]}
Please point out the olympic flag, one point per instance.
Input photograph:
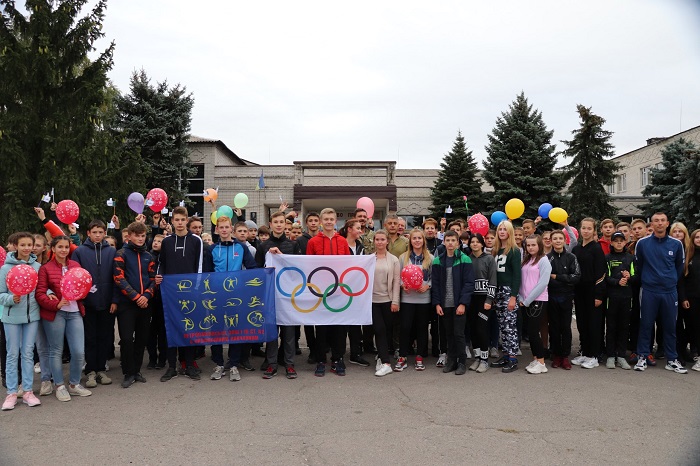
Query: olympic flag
{"points": [[323, 290]]}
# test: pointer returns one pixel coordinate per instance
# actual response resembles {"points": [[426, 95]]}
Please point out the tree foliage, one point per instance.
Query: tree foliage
{"points": [[520, 162], [155, 120], [590, 170], [54, 111], [674, 188], [458, 177]]}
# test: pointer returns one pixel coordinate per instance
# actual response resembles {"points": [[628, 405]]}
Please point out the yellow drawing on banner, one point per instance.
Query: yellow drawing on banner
{"points": [[254, 282], [230, 283], [233, 302], [187, 306], [207, 288], [189, 324], [184, 285], [255, 301], [208, 322], [231, 321], [256, 319]]}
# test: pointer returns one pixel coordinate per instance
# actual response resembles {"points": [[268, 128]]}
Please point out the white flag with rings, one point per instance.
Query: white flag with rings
{"points": [[323, 290]]}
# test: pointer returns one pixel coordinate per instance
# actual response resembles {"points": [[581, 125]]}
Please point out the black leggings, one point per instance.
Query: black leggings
{"points": [[617, 319], [381, 321], [478, 322], [414, 316], [535, 313], [588, 319]]}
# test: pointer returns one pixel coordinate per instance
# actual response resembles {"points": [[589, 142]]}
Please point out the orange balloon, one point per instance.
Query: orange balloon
{"points": [[211, 195]]}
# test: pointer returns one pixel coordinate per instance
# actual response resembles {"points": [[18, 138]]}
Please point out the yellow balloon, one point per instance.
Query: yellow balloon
{"points": [[213, 217], [515, 208], [558, 215]]}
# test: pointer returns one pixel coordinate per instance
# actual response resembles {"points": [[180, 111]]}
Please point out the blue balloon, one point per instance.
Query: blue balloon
{"points": [[224, 210], [498, 216], [543, 210]]}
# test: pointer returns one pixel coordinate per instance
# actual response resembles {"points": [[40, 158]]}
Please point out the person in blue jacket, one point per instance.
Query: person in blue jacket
{"points": [[660, 265]]}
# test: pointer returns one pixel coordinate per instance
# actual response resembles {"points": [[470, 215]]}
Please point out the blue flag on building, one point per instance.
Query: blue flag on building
{"points": [[219, 308], [261, 182]]}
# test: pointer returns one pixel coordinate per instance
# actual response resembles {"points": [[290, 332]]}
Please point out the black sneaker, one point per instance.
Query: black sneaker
{"points": [[297, 351], [339, 367], [461, 368], [450, 366], [128, 381], [192, 373], [510, 366], [320, 369], [502, 361], [171, 373], [359, 360], [151, 365], [269, 373], [246, 366], [291, 372], [140, 378]]}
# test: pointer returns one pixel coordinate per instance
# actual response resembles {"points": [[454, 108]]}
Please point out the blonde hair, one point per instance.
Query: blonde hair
{"points": [[686, 236], [509, 243], [427, 257], [691, 249]]}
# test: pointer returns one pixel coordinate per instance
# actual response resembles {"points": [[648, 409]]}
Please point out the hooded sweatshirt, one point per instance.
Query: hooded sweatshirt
{"points": [[97, 259], [27, 310]]}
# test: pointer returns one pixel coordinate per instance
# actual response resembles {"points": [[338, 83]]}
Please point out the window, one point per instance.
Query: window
{"points": [[611, 188], [645, 175], [621, 183], [195, 190]]}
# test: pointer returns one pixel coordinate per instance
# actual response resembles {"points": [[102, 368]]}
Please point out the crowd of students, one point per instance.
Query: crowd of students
{"points": [[481, 295]]}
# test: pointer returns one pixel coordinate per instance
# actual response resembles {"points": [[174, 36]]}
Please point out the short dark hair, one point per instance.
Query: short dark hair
{"points": [[193, 219], [358, 210], [15, 237], [180, 210], [97, 224], [450, 233], [136, 228], [311, 214]]}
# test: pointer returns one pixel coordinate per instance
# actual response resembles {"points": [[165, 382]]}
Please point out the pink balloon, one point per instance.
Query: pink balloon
{"points": [[76, 284], [367, 204], [3, 255], [67, 211], [478, 224], [159, 199], [412, 276], [22, 279], [566, 234]]}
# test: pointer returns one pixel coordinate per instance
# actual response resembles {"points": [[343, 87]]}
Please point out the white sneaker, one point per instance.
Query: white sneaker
{"points": [[641, 364], [622, 362], [519, 353], [79, 390], [106, 366], [234, 375], [37, 368], [493, 352], [696, 366], [468, 352], [590, 363], [218, 372], [578, 360], [537, 368], [46, 388], [379, 364], [442, 359], [483, 367], [676, 367], [384, 370], [62, 394], [610, 363]]}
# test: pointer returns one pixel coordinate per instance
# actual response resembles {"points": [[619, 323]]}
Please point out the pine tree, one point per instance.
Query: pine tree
{"points": [[664, 184], [687, 204], [458, 177], [52, 102], [590, 170], [521, 160], [156, 120]]}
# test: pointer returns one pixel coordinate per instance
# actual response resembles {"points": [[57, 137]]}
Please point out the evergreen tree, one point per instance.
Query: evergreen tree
{"points": [[458, 177], [156, 120], [590, 170], [664, 184], [52, 102], [687, 204], [520, 162]]}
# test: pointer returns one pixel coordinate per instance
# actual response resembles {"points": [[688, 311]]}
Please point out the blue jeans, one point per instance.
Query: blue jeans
{"points": [[69, 324], [42, 347], [20, 336]]}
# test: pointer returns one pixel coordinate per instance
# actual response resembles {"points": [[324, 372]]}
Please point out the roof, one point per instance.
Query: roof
{"points": [[657, 141], [220, 144]]}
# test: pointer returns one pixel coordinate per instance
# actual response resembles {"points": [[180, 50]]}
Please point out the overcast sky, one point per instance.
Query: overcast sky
{"points": [[280, 81]]}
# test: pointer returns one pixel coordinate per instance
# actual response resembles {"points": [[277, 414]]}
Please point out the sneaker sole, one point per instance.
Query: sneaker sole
{"points": [[357, 363], [291, 377], [399, 369]]}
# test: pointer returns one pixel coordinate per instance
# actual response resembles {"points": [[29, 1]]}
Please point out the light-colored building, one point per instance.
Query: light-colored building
{"points": [[308, 185], [635, 168]]}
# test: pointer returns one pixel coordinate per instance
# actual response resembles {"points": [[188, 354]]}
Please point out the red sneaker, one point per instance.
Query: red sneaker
{"points": [[566, 364], [556, 362]]}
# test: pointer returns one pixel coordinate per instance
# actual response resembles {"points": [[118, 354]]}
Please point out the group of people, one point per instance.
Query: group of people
{"points": [[481, 295]]}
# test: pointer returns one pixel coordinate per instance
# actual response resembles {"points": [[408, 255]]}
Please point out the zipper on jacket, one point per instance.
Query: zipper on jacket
{"points": [[138, 255]]}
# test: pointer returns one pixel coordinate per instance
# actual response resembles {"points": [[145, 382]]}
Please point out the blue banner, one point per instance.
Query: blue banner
{"points": [[220, 307]]}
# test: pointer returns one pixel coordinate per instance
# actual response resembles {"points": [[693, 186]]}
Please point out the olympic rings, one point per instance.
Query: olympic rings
{"points": [[312, 308], [315, 290], [342, 286]]}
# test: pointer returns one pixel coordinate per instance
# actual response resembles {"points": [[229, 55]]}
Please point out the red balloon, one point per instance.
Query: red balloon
{"points": [[158, 198], [412, 276], [67, 211], [22, 279], [76, 284], [566, 234], [3, 255], [478, 224]]}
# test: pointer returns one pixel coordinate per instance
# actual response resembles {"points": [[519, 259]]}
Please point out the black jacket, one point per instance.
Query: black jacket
{"points": [[617, 262], [98, 259], [565, 267], [285, 245], [591, 260]]}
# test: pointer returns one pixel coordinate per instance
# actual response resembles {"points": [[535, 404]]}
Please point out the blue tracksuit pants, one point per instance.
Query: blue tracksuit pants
{"points": [[664, 305]]}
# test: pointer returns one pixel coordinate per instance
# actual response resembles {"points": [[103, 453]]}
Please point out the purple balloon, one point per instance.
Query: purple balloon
{"points": [[136, 202]]}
